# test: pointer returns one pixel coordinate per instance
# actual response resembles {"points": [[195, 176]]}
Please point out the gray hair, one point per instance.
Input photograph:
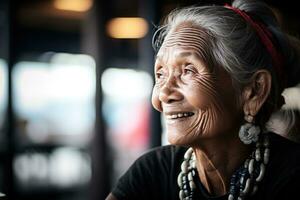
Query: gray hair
{"points": [[235, 45]]}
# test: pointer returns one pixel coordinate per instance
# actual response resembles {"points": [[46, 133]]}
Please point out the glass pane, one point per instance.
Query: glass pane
{"points": [[126, 108], [63, 167], [54, 101], [3, 100]]}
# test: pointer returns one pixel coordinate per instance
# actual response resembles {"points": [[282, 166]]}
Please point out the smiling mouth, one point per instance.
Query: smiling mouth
{"points": [[179, 115]]}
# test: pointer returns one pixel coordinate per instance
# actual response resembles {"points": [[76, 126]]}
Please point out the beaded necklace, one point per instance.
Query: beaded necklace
{"points": [[244, 182]]}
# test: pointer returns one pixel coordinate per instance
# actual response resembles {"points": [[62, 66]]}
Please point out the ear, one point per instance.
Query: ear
{"points": [[256, 92]]}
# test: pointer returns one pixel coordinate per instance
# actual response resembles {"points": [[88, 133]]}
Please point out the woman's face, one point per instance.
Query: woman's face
{"points": [[196, 102]]}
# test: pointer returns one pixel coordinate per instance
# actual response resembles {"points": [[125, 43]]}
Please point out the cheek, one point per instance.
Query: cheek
{"points": [[200, 100], [155, 100], [199, 96]]}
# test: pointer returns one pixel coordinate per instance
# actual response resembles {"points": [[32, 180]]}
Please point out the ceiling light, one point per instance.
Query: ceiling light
{"points": [[73, 5], [127, 27]]}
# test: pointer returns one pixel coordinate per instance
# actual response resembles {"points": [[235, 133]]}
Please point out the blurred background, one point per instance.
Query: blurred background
{"points": [[75, 86]]}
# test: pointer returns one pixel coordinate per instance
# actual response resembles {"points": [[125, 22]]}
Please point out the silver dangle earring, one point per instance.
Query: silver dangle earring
{"points": [[249, 132]]}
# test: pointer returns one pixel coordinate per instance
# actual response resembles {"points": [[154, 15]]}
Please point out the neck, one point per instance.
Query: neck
{"points": [[216, 165]]}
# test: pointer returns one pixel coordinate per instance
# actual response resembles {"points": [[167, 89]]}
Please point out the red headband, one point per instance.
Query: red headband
{"points": [[264, 35]]}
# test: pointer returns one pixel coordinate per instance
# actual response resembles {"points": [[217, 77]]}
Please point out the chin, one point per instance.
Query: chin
{"points": [[179, 140]]}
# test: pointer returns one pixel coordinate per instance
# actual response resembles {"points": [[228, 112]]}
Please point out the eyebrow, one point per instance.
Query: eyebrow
{"points": [[184, 54]]}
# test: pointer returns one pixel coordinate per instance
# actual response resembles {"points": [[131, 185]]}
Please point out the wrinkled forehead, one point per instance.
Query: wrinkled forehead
{"points": [[189, 38]]}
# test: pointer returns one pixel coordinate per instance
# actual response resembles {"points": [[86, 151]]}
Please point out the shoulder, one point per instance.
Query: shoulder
{"points": [[150, 174], [160, 158], [283, 149], [285, 154], [167, 152], [283, 170]]}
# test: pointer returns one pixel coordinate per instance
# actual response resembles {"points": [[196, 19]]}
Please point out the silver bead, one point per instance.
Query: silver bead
{"points": [[184, 166], [230, 197], [181, 195], [192, 185], [190, 176], [186, 193], [266, 155], [251, 166], [193, 173], [247, 187], [193, 164], [242, 180], [257, 154], [179, 179], [188, 154], [246, 163], [261, 173], [193, 157]]}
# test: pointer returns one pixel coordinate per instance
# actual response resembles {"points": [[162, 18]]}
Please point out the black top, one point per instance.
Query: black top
{"points": [[154, 175]]}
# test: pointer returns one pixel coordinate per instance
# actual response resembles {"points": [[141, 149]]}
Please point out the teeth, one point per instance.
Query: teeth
{"points": [[179, 115]]}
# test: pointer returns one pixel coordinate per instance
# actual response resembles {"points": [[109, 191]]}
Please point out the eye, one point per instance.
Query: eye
{"points": [[189, 69], [159, 74]]}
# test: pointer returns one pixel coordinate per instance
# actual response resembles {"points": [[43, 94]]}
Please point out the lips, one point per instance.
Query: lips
{"points": [[178, 115]]}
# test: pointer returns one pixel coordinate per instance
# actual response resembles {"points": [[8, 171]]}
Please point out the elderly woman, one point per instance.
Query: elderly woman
{"points": [[220, 72]]}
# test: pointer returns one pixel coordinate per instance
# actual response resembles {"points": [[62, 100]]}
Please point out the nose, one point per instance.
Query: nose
{"points": [[169, 92]]}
